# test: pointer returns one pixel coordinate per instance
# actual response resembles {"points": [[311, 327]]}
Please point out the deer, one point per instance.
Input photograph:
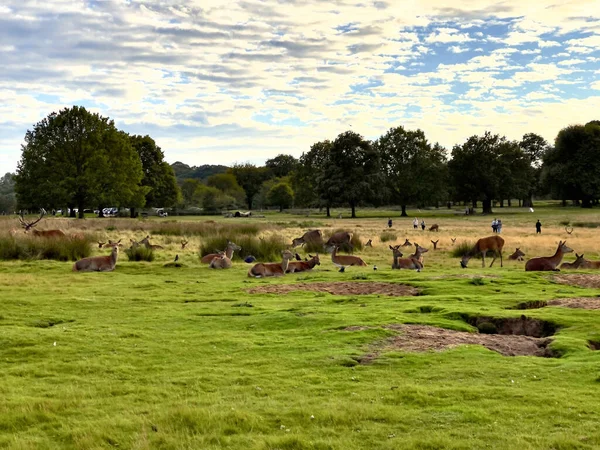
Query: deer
{"points": [[231, 247], [453, 240], [549, 262], [590, 264], [220, 262], [407, 243], [261, 270], [310, 237], [340, 238], [146, 242], [28, 226], [369, 243], [404, 263], [418, 254], [183, 244], [434, 227], [517, 255], [110, 244], [97, 263], [303, 266], [343, 261], [435, 243], [569, 230], [134, 244], [484, 245], [579, 261]]}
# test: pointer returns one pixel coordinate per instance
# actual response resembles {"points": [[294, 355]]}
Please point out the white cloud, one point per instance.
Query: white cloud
{"points": [[546, 44]]}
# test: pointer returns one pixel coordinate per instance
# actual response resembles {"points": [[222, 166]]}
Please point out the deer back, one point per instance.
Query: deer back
{"points": [[97, 263]]}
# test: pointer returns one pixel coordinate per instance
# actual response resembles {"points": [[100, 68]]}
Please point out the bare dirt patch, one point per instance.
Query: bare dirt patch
{"points": [[581, 280], [581, 303], [422, 338], [340, 288]]}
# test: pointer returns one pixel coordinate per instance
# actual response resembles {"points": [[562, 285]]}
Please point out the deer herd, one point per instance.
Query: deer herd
{"points": [[492, 245]]}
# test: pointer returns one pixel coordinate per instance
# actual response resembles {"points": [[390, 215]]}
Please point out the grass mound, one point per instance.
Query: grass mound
{"points": [[263, 249], [388, 236], [140, 253]]}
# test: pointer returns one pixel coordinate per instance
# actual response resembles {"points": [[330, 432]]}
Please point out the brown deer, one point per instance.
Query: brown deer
{"points": [[589, 264], [97, 263], [418, 254], [550, 262], [434, 227], [407, 243], [261, 270], [110, 244], [183, 244], [43, 233], [569, 230], [220, 262], [404, 263], [310, 237], [146, 242], [579, 261], [303, 266], [343, 261], [435, 243], [482, 246], [134, 244], [517, 255], [453, 240], [231, 247], [339, 239], [369, 243]]}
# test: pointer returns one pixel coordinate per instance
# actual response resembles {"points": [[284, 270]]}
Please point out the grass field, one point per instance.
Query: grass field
{"points": [[157, 356]]}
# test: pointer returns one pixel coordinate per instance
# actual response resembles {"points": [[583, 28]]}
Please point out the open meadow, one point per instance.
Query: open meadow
{"points": [[175, 355]]}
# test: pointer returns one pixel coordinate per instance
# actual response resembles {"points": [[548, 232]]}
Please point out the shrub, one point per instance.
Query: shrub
{"points": [[477, 281], [387, 236], [461, 249], [140, 253], [60, 249], [263, 249]]}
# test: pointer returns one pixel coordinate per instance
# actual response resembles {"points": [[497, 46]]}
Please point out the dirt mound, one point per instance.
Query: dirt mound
{"points": [[581, 280], [340, 288], [582, 303], [421, 338]]}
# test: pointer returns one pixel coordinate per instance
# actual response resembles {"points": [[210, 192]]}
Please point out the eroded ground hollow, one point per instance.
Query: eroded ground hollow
{"points": [[532, 304], [520, 326], [594, 345], [340, 288]]}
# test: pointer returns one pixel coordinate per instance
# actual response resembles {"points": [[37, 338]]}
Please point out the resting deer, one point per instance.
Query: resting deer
{"points": [[579, 261], [369, 243], [549, 262], [134, 244], [261, 270], [404, 263], [482, 246], [303, 266], [220, 262], [407, 243], [453, 240], [569, 230], [418, 254], [434, 227], [231, 247], [110, 244], [435, 244], [97, 263], [343, 261], [517, 255], [590, 264], [146, 242], [43, 233], [183, 244]]}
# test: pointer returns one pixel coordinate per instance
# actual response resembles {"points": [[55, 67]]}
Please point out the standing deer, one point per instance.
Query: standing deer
{"points": [[97, 263], [310, 237], [340, 238], [342, 261], [435, 244], [261, 270], [43, 233], [484, 245], [579, 261], [303, 266], [517, 255], [434, 227], [146, 242], [550, 262], [404, 263], [231, 247]]}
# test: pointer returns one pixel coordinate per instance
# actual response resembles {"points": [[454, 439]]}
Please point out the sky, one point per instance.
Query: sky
{"points": [[218, 82]]}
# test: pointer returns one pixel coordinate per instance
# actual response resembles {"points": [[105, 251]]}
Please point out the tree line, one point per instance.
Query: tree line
{"points": [[78, 159]]}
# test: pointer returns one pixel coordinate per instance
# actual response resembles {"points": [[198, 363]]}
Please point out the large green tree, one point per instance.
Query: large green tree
{"points": [[415, 171], [250, 178], [282, 195], [159, 177], [308, 180], [282, 165], [79, 159], [8, 199], [352, 172], [535, 147]]}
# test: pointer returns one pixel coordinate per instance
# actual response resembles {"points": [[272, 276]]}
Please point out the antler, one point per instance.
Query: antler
{"points": [[29, 225], [569, 231]]}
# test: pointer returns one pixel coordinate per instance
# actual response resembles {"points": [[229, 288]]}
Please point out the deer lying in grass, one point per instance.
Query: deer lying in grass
{"points": [[482, 246], [589, 264], [369, 243], [231, 247], [407, 243], [404, 263], [303, 266], [418, 254], [435, 243], [434, 227], [110, 244], [343, 261], [28, 226], [544, 263], [453, 240], [517, 255], [97, 263], [579, 261], [261, 270], [220, 262], [146, 242], [183, 244]]}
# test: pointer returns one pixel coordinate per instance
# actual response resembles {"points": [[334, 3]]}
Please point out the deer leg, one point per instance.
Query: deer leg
{"points": [[483, 258], [501, 260]]}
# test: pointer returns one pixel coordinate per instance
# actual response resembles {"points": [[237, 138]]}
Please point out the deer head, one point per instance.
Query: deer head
{"points": [[183, 244], [569, 230], [29, 225]]}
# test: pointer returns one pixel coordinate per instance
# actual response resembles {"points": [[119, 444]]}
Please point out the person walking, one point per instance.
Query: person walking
{"points": [[499, 226], [423, 225], [538, 227], [416, 223], [390, 223], [494, 226]]}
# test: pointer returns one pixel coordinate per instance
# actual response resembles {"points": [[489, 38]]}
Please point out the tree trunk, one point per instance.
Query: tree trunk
{"points": [[132, 213], [80, 207], [474, 204], [487, 206], [564, 202], [280, 208], [403, 211], [353, 206], [101, 212], [328, 211], [501, 203], [586, 202], [509, 202], [71, 210], [249, 202]]}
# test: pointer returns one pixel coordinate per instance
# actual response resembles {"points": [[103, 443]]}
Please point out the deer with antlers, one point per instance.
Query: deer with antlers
{"points": [[28, 226], [569, 230], [183, 244], [435, 243], [547, 263], [492, 244], [98, 263]]}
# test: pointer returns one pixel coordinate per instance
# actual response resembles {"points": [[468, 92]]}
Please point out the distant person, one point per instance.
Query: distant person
{"points": [[467, 211], [538, 227], [494, 226], [416, 223], [389, 223], [423, 225], [499, 226]]}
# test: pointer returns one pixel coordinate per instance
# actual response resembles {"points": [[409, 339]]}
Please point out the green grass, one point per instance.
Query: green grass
{"points": [[31, 248], [150, 357], [387, 236]]}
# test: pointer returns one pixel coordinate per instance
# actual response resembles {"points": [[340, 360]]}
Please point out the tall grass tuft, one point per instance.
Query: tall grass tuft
{"points": [[60, 249], [263, 249], [208, 228], [140, 253], [387, 236], [461, 249]]}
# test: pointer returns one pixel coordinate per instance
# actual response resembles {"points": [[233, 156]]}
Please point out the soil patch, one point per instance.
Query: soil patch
{"points": [[520, 326], [581, 303], [594, 345], [340, 288], [422, 338], [581, 280], [533, 304]]}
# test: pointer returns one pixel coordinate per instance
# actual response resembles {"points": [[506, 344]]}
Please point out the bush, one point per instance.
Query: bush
{"points": [[263, 249], [387, 236], [140, 253], [60, 249], [461, 250]]}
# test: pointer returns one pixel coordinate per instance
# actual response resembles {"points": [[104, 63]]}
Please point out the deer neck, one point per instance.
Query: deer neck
{"points": [[229, 251], [285, 264], [558, 256], [113, 256]]}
